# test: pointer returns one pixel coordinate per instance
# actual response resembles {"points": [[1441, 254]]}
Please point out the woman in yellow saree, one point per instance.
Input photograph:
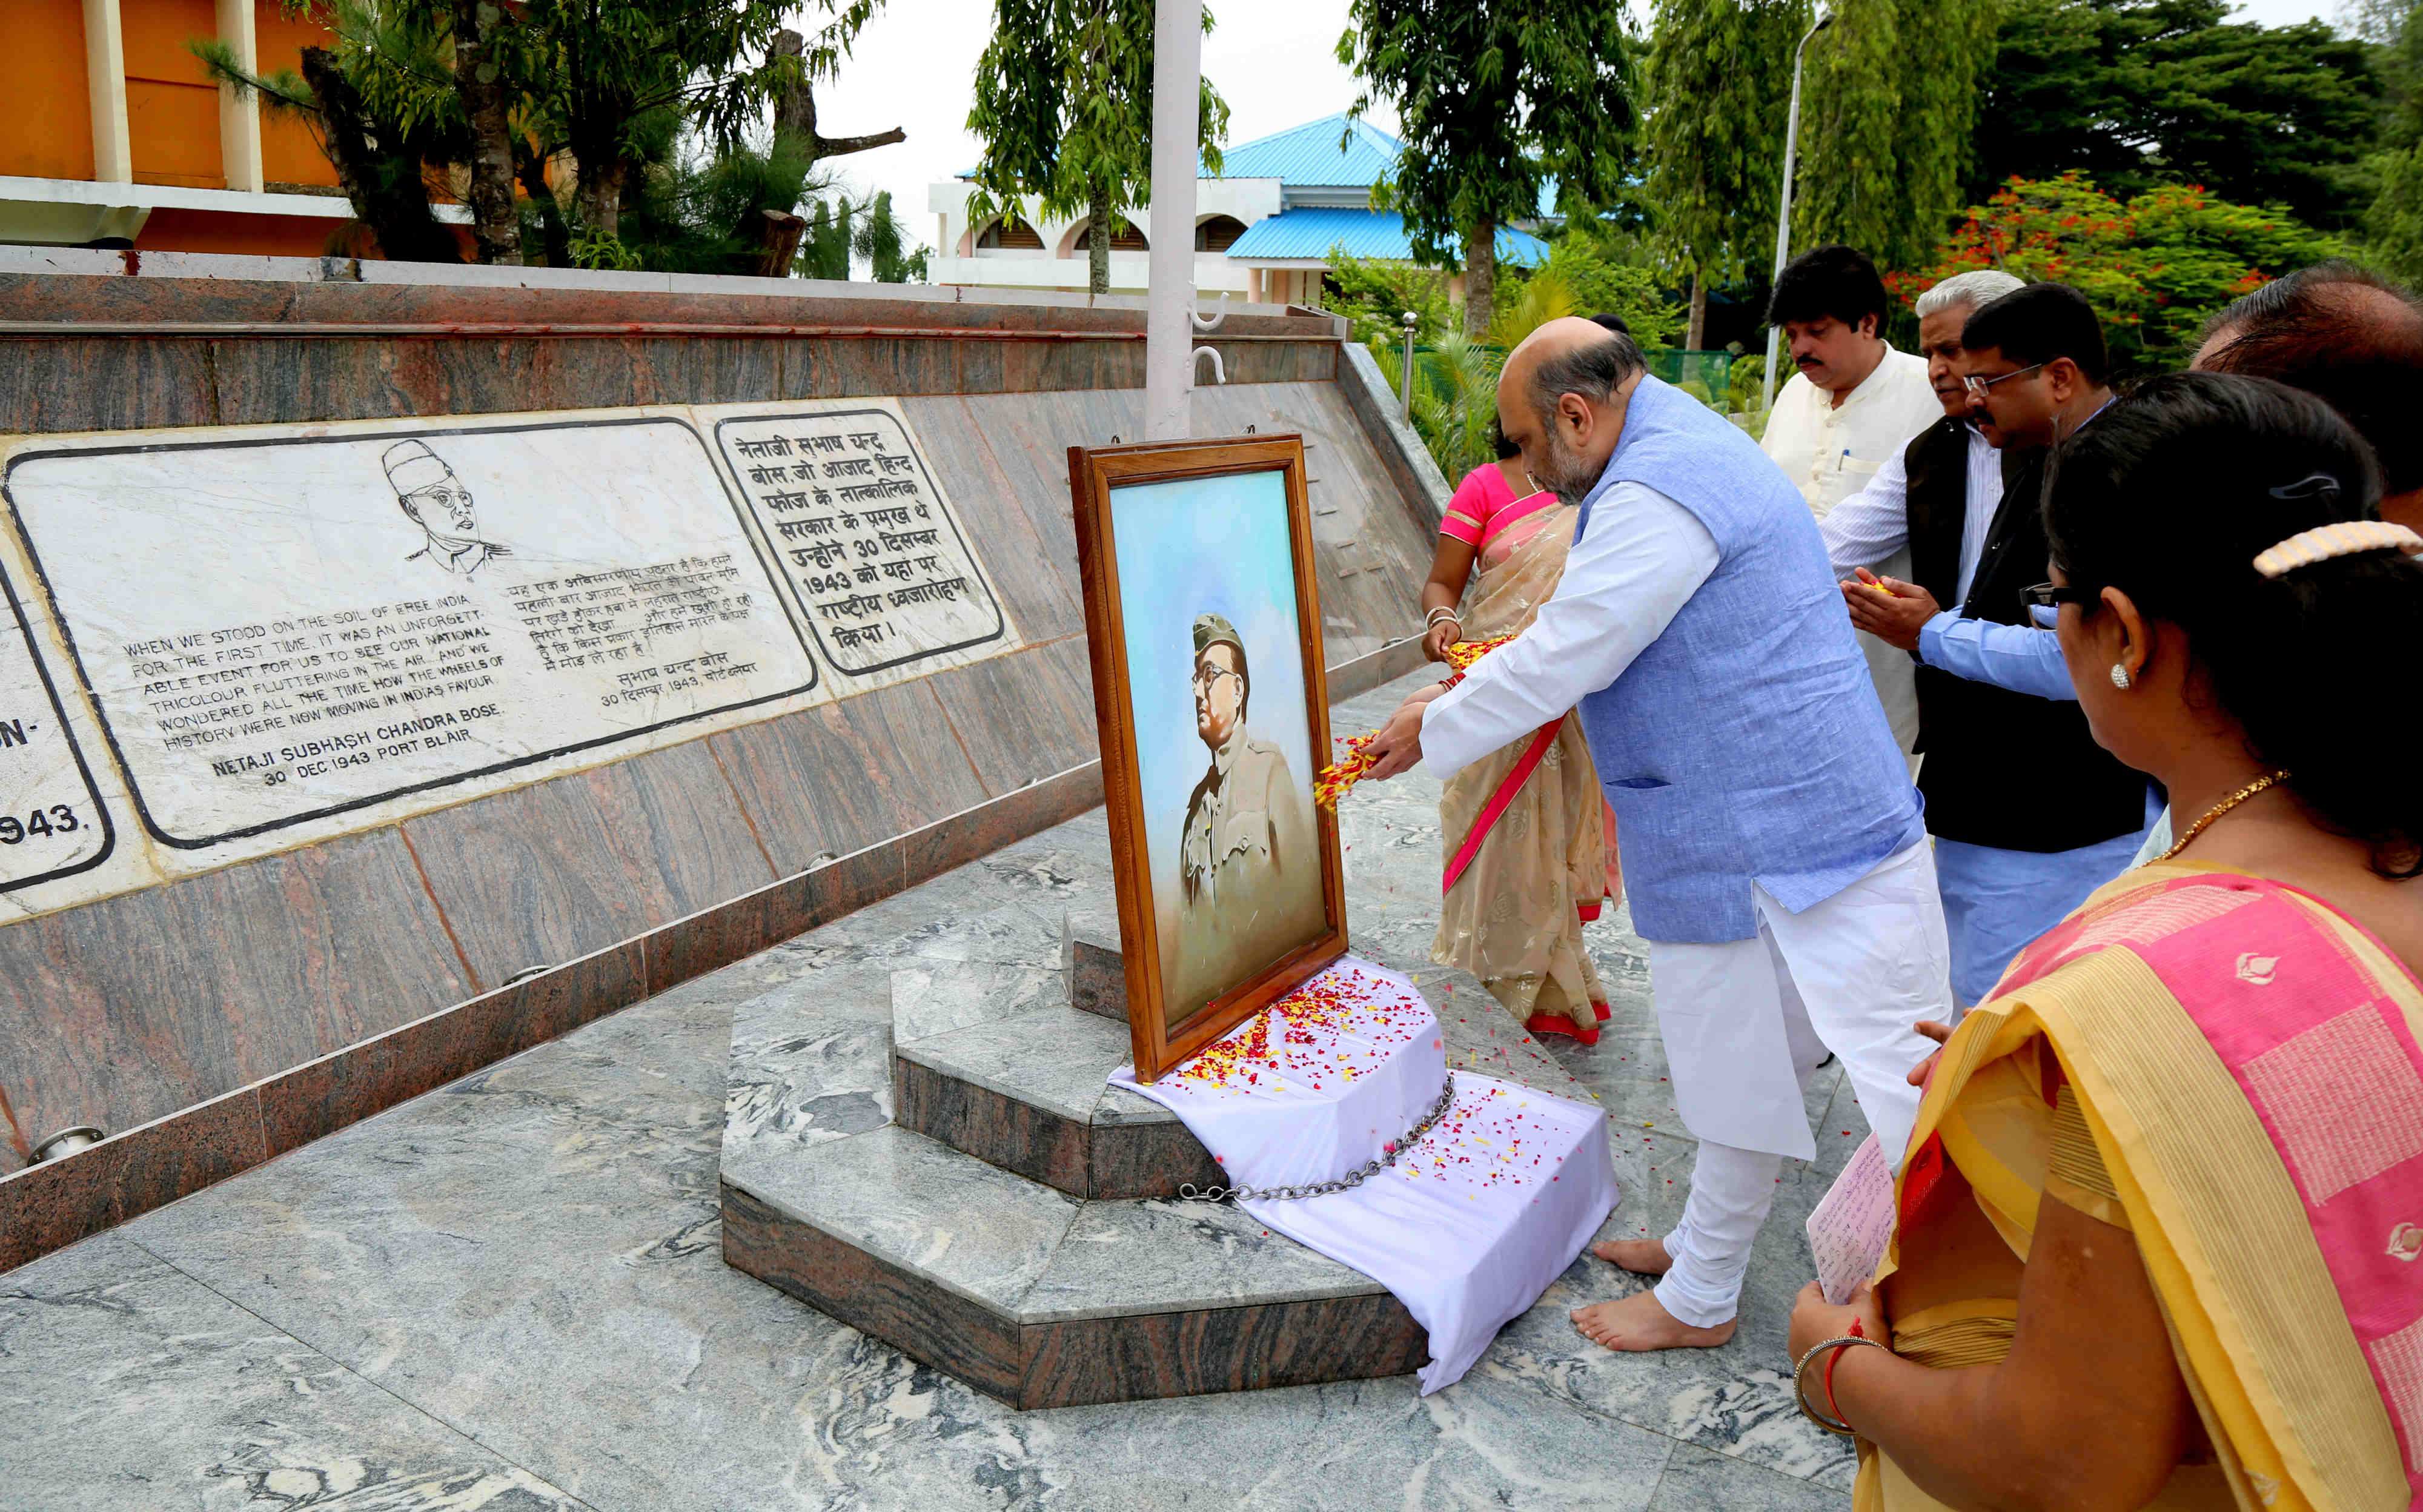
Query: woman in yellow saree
{"points": [[1525, 833], [2160, 1228]]}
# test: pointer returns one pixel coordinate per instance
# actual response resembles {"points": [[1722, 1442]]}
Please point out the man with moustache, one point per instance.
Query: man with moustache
{"points": [[1775, 856], [2029, 814], [1848, 411], [2339, 331], [434, 499], [1248, 884]]}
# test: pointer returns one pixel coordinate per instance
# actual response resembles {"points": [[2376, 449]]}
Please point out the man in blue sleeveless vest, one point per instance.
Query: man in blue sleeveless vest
{"points": [[1774, 851]]}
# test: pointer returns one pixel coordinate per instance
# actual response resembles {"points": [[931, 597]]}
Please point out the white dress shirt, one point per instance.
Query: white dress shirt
{"points": [[1635, 567], [1831, 451], [1872, 524]]}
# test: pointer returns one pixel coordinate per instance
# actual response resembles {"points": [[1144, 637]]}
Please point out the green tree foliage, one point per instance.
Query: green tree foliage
{"points": [[1064, 108], [1888, 111], [1717, 87], [2134, 93], [1494, 97], [1375, 296], [2393, 222], [1455, 398], [880, 240], [1579, 278], [839, 228], [691, 209], [381, 103], [593, 72], [2154, 267], [413, 91]]}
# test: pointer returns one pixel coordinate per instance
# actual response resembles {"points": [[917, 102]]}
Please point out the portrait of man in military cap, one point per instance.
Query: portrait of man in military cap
{"points": [[434, 499], [1249, 884]]}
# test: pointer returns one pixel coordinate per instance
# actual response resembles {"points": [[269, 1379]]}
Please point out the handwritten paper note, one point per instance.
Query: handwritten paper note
{"points": [[1851, 1226]]}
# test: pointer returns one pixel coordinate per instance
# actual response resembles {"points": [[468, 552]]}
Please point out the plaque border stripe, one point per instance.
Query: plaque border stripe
{"points": [[75, 748]]}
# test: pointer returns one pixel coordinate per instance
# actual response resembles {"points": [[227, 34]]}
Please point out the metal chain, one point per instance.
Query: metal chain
{"points": [[1387, 1157]]}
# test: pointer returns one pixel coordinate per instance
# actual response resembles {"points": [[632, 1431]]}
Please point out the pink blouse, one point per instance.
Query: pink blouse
{"points": [[1483, 506]]}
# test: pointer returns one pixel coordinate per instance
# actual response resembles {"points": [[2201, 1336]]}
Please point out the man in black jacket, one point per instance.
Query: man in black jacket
{"points": [[2029, 814]]}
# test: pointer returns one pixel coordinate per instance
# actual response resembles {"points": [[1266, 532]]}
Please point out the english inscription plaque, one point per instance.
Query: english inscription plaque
{"points": [[871, 551], [284, 628]]}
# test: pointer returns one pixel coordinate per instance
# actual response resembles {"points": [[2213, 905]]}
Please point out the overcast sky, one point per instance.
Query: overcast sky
{"points": [[1274, 61], [914, 67]]}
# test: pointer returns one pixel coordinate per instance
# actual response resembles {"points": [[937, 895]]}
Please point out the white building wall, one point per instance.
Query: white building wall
{"points": [[1062, 265]]}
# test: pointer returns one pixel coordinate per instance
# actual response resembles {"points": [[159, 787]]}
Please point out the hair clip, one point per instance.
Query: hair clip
{"points": [[2320, 486], [2345, 538]]}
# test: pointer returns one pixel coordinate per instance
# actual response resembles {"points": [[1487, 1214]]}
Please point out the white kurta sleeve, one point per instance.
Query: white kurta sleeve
{"points": [[1641, 559], [1871, 524]]}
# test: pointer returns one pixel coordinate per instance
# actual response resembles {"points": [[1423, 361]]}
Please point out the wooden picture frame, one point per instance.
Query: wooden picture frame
{"points": [[1229, 504]]}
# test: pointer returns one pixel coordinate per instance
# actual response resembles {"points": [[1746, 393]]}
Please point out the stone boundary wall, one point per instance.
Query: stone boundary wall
{"points": [[329, 981]]}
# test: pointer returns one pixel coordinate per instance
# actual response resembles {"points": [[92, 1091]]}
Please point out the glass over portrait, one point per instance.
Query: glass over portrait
{"points": [[1223, 740], [1209, 688]]}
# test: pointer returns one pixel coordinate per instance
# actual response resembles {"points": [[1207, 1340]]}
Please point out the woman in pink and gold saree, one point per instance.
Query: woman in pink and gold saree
{"points": [[1528, 843], [2158, 1232]]}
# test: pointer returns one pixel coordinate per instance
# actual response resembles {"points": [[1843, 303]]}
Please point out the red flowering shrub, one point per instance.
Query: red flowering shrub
{"points": [[2154, 268]]}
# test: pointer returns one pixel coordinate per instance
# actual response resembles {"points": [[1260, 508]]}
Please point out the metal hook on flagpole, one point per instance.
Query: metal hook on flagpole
{"points": [[1218, 374]]}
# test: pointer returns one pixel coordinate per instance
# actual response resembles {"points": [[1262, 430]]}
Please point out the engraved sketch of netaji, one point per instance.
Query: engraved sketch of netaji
{"points": [[435, 501]]}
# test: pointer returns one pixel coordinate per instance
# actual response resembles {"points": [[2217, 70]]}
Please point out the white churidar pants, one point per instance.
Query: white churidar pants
{"points": [[1747, 1022]]}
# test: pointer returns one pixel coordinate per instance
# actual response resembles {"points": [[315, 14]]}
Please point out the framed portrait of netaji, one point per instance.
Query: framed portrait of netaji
{"points": [[1213, 712]]}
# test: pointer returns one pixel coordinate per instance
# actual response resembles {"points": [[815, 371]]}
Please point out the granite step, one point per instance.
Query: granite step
{"points": [[1042, 1300]]}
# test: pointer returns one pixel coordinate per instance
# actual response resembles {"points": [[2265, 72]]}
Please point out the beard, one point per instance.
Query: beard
{"points": [[1568, 474]]}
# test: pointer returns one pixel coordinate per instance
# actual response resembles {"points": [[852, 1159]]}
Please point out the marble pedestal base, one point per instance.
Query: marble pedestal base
{"points": [[1009, 1223]]}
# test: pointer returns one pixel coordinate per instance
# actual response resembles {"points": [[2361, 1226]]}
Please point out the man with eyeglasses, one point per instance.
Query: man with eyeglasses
{"points": [[2029, 814], [1249, 873]]}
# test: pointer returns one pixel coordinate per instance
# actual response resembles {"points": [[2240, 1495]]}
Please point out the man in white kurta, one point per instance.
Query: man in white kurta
{"points": [[1775, 851], [1847, 413]]}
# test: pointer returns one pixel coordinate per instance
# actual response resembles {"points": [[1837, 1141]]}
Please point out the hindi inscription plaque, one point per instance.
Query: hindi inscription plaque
{"points": [[871, 550]]}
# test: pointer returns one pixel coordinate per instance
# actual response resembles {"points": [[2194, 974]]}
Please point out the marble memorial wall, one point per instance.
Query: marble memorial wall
{"points": [[226, 642]]}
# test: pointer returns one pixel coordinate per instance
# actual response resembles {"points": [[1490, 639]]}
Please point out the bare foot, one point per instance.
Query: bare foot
{"points": [[1643, 1257], [1637, 1324]]}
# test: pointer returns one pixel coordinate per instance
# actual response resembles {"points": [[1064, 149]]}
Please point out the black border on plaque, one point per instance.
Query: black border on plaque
{"points": [[67, 732], [782, 574], [134, 788]]}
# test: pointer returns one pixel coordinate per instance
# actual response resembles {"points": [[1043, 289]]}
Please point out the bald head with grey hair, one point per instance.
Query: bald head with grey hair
{"points": [[1562, 400]]}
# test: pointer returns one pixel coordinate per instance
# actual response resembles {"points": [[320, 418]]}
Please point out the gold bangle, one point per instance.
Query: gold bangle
{"points": [[1800, 1382]]}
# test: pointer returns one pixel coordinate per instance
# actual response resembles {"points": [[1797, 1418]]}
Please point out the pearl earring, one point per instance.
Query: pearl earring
{"points": [[2119, 675]]}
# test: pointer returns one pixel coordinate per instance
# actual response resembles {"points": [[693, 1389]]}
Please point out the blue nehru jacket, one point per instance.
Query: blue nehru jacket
{"points": [[1746, 744]]}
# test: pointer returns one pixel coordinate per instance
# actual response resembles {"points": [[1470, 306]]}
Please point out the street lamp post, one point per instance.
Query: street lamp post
{"points": [[1783, 211]]}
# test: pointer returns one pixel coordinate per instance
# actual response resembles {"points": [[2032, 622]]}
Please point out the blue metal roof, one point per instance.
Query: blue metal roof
{"points": [[1309, 154], [1309, 232]]}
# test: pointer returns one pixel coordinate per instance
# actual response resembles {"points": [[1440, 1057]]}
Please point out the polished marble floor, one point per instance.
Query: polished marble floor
{"points": [[508, 1295]]}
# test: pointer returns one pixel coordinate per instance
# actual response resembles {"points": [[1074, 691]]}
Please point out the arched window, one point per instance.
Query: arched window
{"points": [[1124, 238], [1011, 234], [1219, 233]]}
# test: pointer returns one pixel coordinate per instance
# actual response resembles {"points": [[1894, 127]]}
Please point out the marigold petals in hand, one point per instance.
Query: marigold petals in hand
{"points": [[1333, 781]]}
